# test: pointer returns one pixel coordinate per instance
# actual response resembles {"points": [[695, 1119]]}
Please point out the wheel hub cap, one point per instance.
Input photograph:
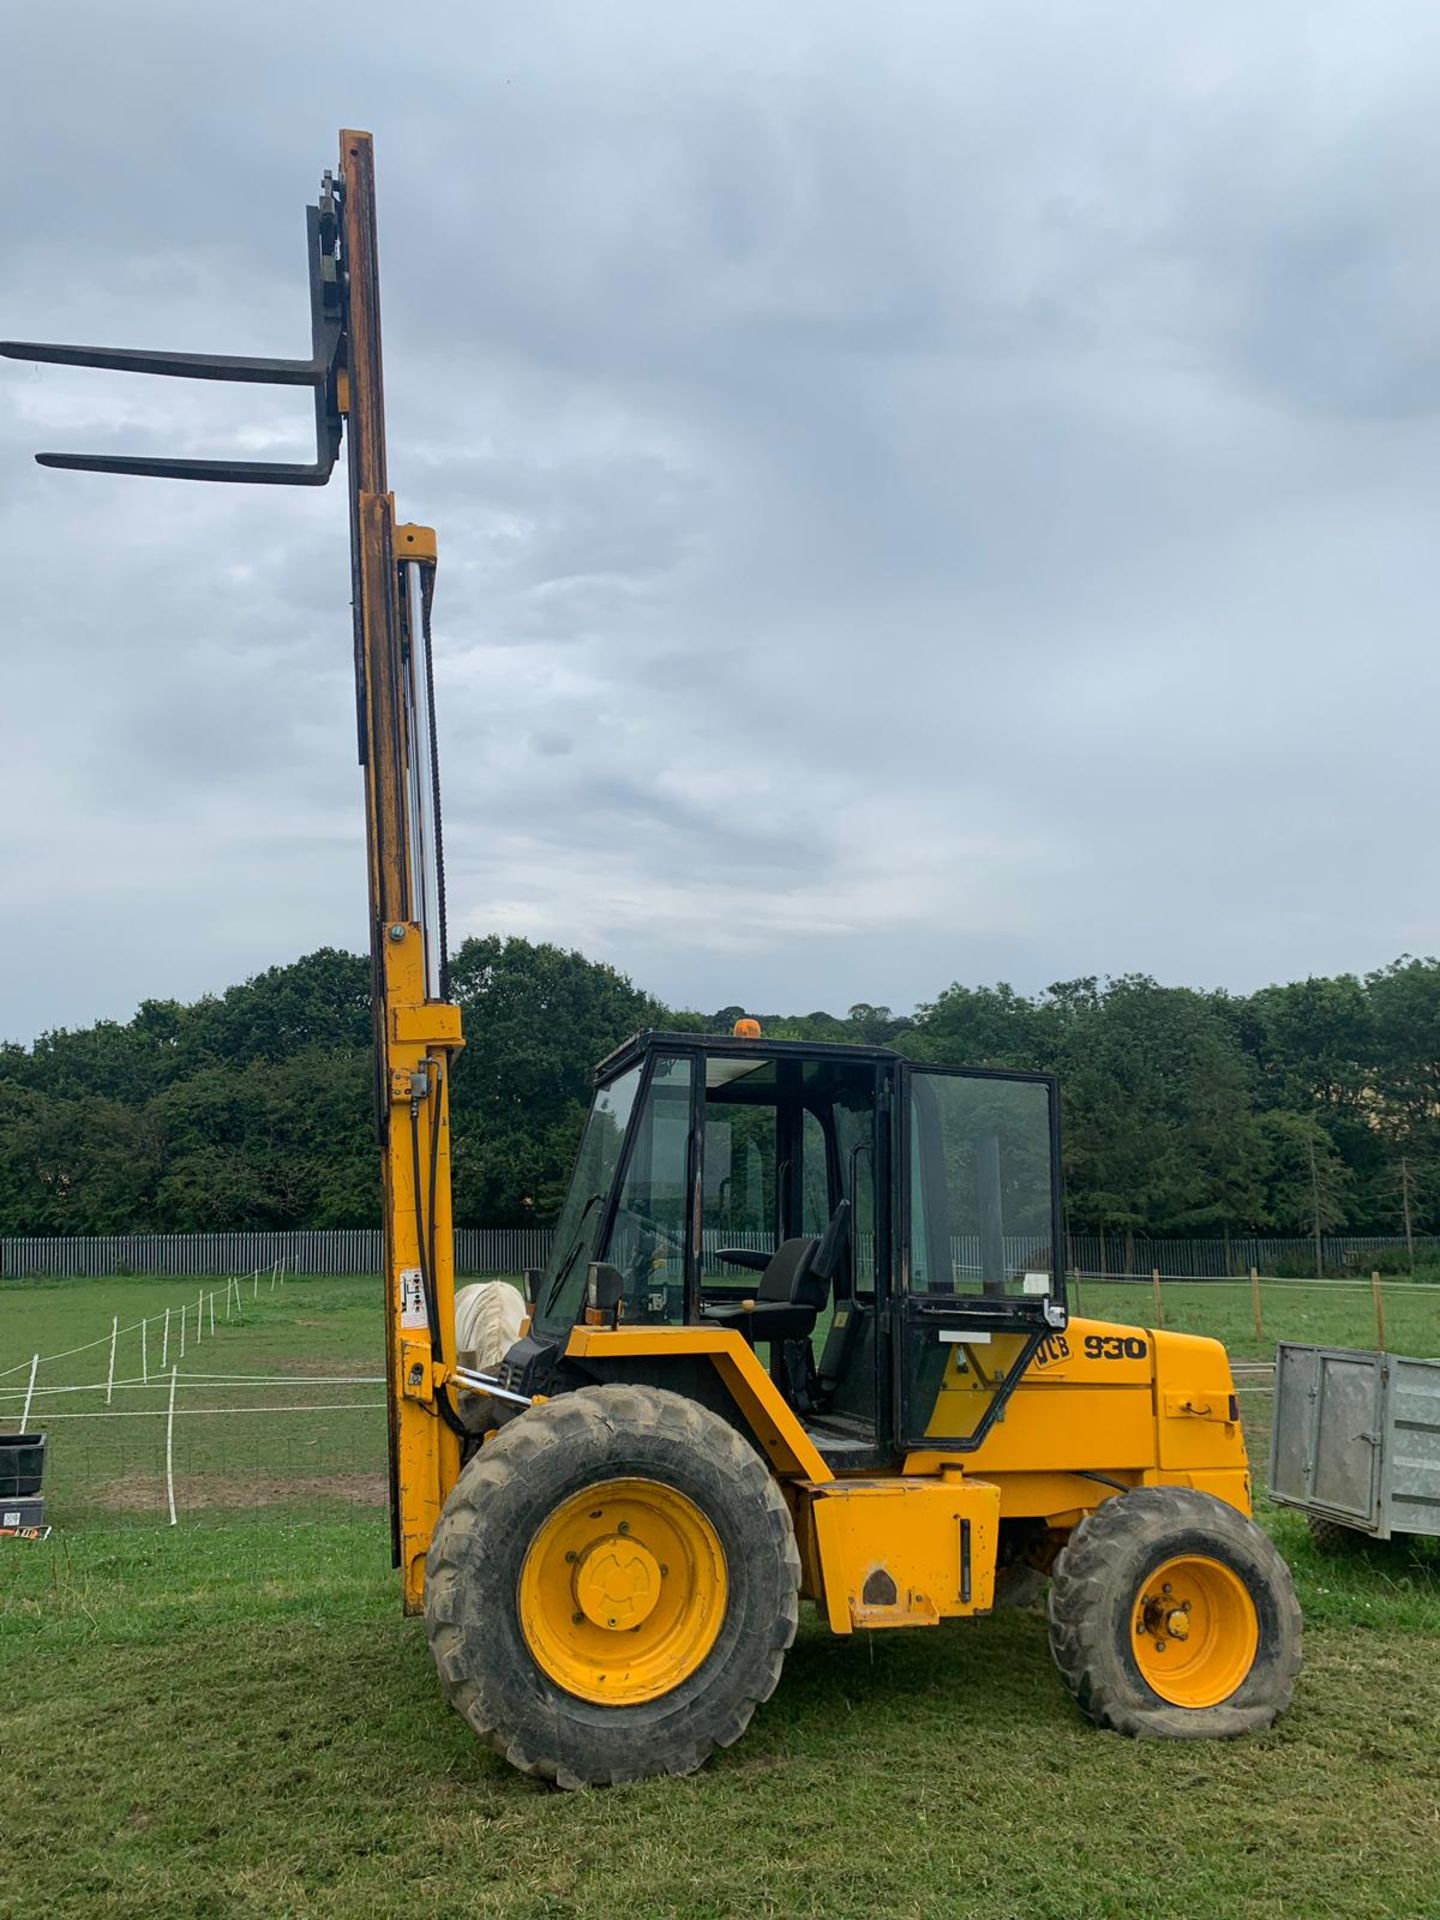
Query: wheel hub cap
{"points": [[617, 1583]]}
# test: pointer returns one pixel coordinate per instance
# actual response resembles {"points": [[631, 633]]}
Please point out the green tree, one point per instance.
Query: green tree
{"points": [[74, 1166], [986, 1027], [1158, 1101], [320, 1000], [1301, 1174], [537, 1019]]}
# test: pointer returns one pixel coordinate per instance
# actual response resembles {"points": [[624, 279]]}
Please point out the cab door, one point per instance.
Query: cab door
{"points": [[979, 1233]]}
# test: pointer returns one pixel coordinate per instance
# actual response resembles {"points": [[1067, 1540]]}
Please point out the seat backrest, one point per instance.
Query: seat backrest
{"points": [[800, 1270], [786, 1271], [832, 1245]]}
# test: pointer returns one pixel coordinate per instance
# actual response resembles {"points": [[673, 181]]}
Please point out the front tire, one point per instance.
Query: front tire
{"points": [[612, 1587], [1172, 1615]]}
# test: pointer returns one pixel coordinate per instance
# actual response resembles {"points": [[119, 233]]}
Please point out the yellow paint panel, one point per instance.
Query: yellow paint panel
{"points": [[1099, 1398], [414, 542], [775, 1425], [1061, 1429], [973, 1374], [905, 1553], [435, 1023], [1194, 1398]]}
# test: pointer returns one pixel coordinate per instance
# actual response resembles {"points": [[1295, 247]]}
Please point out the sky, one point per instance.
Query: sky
{"points": [[925, 492]]}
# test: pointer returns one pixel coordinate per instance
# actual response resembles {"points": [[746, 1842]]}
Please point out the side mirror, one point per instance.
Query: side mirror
{"points": [[604, 1294], [532, 1286], [832, 1244]]}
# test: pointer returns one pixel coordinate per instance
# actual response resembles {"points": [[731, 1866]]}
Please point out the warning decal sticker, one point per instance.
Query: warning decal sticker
{"points": [[412, 1299]]}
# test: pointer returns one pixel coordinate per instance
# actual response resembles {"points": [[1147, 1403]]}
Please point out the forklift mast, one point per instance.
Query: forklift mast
{"points": [[417, 1029]]}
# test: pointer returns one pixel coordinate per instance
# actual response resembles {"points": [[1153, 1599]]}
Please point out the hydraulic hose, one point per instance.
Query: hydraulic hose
{"points": [[425, 1242]]}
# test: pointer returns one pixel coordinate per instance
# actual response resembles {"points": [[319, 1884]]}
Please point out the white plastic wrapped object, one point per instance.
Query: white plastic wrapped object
{"points": [[487, 1323]]}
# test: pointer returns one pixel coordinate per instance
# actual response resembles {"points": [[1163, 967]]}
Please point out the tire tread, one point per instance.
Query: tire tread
{"points": [[585, 1423]]}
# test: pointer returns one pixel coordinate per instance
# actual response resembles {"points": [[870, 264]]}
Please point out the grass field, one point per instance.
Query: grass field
{"points": [[1330, 1313], [238, 1445], [233, 1720]]}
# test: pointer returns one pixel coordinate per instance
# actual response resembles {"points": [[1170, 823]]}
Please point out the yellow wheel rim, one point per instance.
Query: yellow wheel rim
{"points": [[623, 1592], [1195, 1631]]}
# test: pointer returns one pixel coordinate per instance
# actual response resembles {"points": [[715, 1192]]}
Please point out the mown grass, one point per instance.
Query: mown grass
{"points": [[236, 1724], [305, 1321], [1325, 1313], [105, 1463], [310, 1343]]}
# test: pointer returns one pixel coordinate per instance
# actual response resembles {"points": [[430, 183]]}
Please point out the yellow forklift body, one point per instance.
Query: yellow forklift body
{"points": [[1111, 1399], [422, 1036], [1101, 1410]]}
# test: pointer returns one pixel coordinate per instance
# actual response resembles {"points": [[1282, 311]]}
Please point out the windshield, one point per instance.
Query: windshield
{"points": [[563, 1282]]}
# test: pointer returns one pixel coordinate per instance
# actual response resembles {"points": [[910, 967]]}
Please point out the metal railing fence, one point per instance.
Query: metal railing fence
{"points": [[512, 1249]]}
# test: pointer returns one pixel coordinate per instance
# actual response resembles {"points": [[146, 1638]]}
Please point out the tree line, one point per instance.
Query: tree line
{"points": [[1186, 1112]]}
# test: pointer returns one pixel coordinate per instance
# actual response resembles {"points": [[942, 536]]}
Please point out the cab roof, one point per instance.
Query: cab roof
{"points": [[652, 1039]]}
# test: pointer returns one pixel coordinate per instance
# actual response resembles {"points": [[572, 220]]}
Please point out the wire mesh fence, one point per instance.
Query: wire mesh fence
{"points": [[255, 1398], [227, 1456], [1252, 1314]]}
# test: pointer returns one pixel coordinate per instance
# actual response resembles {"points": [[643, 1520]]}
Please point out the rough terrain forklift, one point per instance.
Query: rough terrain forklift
{"points": [[803, 1330]]}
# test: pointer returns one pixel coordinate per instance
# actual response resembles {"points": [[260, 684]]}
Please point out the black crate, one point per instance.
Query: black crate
{"points": [[22, 1465], [22, 1513]]}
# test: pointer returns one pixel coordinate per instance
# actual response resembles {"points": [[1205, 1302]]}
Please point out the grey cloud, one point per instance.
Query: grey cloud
{"points": [[942, 494]]}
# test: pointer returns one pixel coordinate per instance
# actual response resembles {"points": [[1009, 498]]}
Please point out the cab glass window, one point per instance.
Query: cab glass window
{"points": [[739, 1205], [855, 1143], [815, 1203], [981, 1186], [647, 1242], [562, 1285]]}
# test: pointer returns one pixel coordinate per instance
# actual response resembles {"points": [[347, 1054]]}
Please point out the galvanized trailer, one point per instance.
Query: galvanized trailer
{"points": [[1356, 1439]]}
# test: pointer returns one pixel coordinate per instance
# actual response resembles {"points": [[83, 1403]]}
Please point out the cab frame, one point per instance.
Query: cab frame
{"points": [[921, 1332]]}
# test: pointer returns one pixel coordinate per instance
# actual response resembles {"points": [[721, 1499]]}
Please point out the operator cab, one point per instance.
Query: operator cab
{"points": [[872, 1226]]}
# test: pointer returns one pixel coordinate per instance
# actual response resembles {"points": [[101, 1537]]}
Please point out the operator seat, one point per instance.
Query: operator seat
{"points": [[793, 1287]]}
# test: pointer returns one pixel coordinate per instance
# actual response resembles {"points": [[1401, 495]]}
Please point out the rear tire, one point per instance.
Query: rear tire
{"points": [[500, 1625], [1167, 1588]]}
